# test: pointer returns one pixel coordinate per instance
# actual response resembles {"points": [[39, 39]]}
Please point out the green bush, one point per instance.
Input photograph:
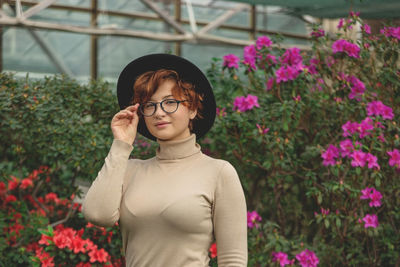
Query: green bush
{"points": [[59, 123], [312, 143]]}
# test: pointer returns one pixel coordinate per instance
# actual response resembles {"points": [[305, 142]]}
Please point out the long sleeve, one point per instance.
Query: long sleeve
{"points": [[102, 202], [230, 219]]}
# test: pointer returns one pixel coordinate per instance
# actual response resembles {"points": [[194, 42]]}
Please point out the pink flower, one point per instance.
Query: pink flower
{"points": [[346, 147], [263, 41], [358, 158], [307, 258], [291, 57], [340, 24], [341, 45], [372, 161], [262, 129], [318, 33], [270, 83], [252, 219], [281, 257], [370, 221], [231, 61], [394, 158], [252, 101], [249, 55], [330, 155], [220, 112], [239, 103], [271, 59], [357, 87], [372, 194], [349, 128], [243, 104], [286, 73], [366, 28], [365, 127], [297, 98]]}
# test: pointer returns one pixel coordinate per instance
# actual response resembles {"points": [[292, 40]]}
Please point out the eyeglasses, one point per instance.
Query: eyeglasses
{"points": [[167, 105]]}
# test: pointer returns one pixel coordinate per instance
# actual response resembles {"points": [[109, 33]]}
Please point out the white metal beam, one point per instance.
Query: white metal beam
{"points": [[221, 19], [37, 8], [166, 17]]}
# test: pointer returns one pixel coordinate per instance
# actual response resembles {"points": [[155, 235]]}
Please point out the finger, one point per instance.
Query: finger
{"points": [[133, 107]]}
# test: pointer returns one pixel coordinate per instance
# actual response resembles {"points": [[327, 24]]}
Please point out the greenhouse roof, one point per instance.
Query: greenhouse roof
{"points": [[373, 9]]}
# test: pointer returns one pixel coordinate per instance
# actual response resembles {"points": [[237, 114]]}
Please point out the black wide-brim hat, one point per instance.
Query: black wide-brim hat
{"points": [[187, 71]]}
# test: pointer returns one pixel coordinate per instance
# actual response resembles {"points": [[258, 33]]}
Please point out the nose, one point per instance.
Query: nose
{"points": [[159, 111]]}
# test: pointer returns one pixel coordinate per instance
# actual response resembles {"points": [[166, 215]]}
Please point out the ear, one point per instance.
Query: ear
{"points": [[192, 114]]}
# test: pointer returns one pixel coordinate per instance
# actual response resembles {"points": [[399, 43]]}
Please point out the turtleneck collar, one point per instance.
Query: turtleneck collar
{"points": [[177, 149]]}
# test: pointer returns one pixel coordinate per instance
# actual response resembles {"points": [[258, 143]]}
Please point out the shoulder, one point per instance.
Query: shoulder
{"points": [[223, 167]]}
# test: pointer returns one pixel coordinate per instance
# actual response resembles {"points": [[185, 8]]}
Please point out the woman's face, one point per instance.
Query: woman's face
{"points": [[169, 126]]}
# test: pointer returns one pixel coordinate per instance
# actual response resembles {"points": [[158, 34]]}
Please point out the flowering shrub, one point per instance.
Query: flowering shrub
{"points": [[28, 209], [314, 136]]}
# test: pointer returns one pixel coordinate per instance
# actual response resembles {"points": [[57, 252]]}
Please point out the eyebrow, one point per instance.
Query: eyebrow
{"points": [[162, 98]]}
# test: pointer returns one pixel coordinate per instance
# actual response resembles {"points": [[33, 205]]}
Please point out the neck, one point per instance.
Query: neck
{"points": [[177, 149]]}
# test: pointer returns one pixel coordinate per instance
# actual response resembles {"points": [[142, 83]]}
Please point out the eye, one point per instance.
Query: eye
{"points": [[170, 102], [148, 105]]}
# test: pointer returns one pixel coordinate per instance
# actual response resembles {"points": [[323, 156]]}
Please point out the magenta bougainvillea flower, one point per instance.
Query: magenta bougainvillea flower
{"points": [[243, 104], [372, 161], [365, 127], [330, 155], [307, 258], [270, 83], [263, 41], [370, 220], [281, 258], [287, 73], [291, 57], [341, 45], [249, 56], [349, 128], [346, 147], [377, 108], [374, 195], [358, 158], [252, 218], [366, 28], [231, 61], [318, 33], [394, 158], [357, 88], [262, 129], [391, 32]]}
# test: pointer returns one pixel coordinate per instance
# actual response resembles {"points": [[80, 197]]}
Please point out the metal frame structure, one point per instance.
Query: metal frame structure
{"points": [[202, 35]]}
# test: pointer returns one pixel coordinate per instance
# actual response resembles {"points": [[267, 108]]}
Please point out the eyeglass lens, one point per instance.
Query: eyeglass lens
{"points": [[167, 105]]}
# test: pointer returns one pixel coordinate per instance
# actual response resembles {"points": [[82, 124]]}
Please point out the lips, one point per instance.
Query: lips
{"points": [[162, 123]]}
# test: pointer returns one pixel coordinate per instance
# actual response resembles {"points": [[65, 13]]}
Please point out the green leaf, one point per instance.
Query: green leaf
{"points": [[326, 222]]}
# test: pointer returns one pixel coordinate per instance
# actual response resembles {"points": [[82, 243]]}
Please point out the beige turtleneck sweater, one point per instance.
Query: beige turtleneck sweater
{"points": [[172, 206]]}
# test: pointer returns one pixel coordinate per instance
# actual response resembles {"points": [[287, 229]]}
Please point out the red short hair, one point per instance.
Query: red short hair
{"points": [[147, 83]]}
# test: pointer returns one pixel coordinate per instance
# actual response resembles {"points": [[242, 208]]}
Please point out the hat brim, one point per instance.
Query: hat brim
{"points": [[187, 72]]}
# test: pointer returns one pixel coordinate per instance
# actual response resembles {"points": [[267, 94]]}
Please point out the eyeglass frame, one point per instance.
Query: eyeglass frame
{"points": [[161, 105]]}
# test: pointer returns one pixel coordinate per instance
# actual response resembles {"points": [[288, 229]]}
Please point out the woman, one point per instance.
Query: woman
{"points": [[170, 207]]}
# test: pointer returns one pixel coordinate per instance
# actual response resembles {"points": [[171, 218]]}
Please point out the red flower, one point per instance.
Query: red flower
{"points": [[26, 183], [61, 241], [99, 255], [51, 197], [44, 240], [78, 245], [213, 250], [3, 189], [10, 198], [13, 183], [82, 264]]}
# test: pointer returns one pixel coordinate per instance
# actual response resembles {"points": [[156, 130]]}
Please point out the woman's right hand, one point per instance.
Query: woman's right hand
{"points": [[124, 124]]}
